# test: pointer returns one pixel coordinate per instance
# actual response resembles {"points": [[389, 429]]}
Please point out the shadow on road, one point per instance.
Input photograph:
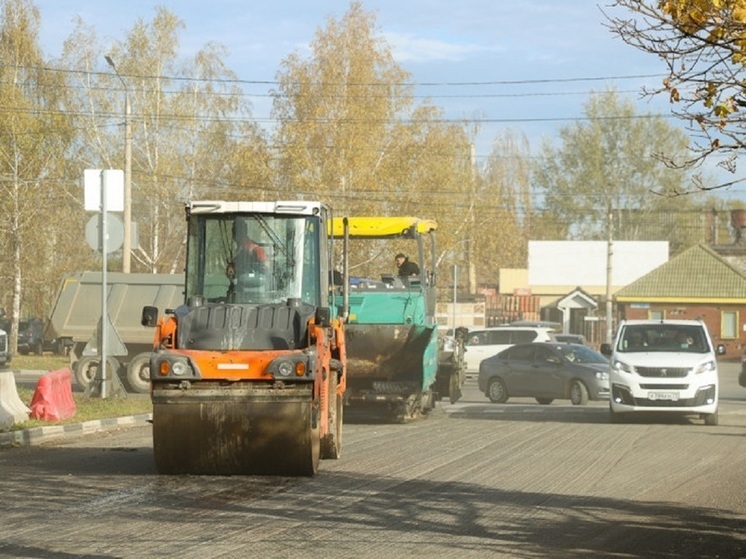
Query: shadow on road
{"points": [[368, 510]]}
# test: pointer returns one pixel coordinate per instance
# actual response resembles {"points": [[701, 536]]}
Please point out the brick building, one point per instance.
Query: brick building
{"points": [[698, 283]]}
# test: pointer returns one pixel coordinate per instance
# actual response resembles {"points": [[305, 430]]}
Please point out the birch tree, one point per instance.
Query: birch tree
{"points": [[349, 132], [35, 135], [189, 122]]}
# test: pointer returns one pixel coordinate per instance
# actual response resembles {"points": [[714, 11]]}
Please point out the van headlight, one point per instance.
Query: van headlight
{"points": [[705, 367], [622, 367]]}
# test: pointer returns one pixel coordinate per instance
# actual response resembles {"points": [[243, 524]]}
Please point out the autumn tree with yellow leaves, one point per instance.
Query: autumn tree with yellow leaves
{"points": [[703, 46]]}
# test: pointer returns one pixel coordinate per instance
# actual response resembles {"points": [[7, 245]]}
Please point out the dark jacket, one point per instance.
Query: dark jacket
{"points": [[408, 268]]}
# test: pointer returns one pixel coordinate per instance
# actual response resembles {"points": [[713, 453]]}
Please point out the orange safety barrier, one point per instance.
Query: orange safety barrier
{"points": [[53, 398]]}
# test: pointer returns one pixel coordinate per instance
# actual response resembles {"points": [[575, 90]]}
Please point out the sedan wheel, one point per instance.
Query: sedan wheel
{"points": [[497, 392], [578, 393]]}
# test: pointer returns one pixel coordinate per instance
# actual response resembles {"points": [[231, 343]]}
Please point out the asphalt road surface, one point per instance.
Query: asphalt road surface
{"points": [[474, 479]]}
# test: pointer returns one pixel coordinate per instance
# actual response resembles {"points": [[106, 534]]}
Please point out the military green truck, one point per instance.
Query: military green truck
{"points": [[396, 361]]}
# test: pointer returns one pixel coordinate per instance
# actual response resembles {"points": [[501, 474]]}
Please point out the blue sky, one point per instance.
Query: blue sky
{"points": [[474, 51]]}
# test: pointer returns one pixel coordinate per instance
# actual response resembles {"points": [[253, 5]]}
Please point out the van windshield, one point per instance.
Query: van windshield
{"points": [[680, 338]]}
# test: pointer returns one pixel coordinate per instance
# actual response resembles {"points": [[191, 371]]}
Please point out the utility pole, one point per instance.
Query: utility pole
{"points": [[609, 276], [127, 213], [471, 270], [455, 296]]}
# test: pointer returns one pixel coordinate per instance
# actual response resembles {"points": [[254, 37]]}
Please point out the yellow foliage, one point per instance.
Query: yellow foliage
{"points": [[722, 110], [723, 21]]}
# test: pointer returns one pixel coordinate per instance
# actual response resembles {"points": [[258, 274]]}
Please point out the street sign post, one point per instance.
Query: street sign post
{"points": [[104, 191]]}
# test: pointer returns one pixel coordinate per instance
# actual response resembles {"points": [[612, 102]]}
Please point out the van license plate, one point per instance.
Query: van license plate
{"points": [[671, 396]]}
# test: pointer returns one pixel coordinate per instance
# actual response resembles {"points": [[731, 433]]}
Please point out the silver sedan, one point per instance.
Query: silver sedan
{"points": [[546, 371]]}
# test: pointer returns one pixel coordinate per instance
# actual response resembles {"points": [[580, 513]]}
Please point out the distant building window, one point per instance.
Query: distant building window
{"points": [[656, 315], [729, 325]]}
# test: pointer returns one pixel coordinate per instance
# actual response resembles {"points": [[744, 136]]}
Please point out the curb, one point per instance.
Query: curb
{"points": [[39, 435]]}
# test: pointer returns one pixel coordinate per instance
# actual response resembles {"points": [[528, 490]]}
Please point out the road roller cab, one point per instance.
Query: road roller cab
{"points": [[248, 374]]}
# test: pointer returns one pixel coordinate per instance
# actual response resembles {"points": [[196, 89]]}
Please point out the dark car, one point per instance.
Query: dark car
{"points": [[546, 371], [742, 374], [30, 336]]}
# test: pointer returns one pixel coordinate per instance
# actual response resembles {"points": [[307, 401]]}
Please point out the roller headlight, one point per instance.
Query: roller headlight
{"points": [[285, 369], [180, 369], [296, 365], [174, 367]]}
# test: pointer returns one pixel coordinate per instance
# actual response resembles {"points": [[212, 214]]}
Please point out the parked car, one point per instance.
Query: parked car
{"points": [[484, 343], [546, 371], [537, 323], [570, 339], [30, 336], [742, 374], [663, 366], [5, 356]]}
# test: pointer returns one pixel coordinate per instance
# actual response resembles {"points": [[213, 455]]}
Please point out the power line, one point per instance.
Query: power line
{"points": [[324, 120], [346, 84]]}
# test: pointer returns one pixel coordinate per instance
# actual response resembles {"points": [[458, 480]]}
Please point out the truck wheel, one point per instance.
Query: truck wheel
{"points": [[138, 373], [86, 370], [454, 387], [578, 393], [331, 444], [711, 418]]}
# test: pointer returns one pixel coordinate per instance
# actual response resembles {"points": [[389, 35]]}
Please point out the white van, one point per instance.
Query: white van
{"points": [[484, 343], [663, 366]]}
